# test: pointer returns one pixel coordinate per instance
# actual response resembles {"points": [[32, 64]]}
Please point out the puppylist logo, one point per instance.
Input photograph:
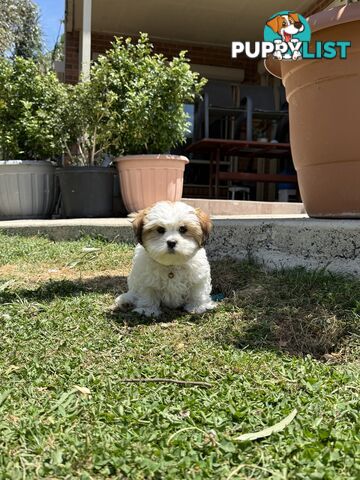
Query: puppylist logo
{"points": [[287, 31], [287, 37]]}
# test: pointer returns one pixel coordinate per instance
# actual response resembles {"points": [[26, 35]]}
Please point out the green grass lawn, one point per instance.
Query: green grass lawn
{"points": [[279, 341]]}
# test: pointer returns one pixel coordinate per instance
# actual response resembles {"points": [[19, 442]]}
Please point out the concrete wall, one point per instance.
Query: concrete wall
{"points": [[286, 243], [276, 243]]}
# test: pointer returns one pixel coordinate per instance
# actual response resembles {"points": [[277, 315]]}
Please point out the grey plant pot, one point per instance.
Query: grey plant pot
{"points": [[27, 189], [86, 191]]}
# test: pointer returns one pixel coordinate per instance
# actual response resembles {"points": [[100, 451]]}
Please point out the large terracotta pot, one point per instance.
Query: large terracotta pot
{"points": [[146, 179], [324, 114]]}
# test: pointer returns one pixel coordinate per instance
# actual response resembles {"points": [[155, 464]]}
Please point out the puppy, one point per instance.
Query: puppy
{"points": [[170, 266], [286, 26]]}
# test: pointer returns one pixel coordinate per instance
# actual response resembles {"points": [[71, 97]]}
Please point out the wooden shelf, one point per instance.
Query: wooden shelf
{"points": [[257, 177]]}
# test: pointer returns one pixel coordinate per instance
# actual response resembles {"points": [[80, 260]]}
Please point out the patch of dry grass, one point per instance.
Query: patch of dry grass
{"points": [[295, 311]]}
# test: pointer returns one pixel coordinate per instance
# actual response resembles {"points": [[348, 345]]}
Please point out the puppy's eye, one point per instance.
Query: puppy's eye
{"points": [[160, 230], [182, 229], [284, 24]]}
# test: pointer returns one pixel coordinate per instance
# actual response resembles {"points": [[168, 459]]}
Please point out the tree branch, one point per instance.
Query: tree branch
{"points": [[82, 154], [69, 152], [93, 147]]}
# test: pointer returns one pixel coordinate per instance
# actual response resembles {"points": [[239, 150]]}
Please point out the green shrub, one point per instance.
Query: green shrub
{"points": [[133, 102], [32, 105]]}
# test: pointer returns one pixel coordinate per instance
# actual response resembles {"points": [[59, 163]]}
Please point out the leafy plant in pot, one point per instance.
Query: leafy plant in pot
{"points": [[31, 133], [145, 96], [87, 182]]}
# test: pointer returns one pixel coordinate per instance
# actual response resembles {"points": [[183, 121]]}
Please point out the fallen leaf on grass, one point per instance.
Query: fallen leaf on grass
{"points": [[84, 390], [269, 430], [4, 286], [168, 325], [333, 357], [211, 438], [73, 264], [13, 419], [84, 257], [3, 396], [184, 414], [12, 368]]}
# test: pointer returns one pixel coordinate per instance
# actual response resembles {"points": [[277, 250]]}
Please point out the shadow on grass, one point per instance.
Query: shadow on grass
{"points": [[294, 311], [114, 285], [131, 320], [52, 289]]}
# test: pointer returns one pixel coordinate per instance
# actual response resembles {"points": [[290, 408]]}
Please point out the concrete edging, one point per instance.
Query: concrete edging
{"points": [[274, 242], [286, 243]]}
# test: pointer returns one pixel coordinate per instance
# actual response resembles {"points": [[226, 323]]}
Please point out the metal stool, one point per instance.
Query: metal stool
{"points": [[245, 192]]}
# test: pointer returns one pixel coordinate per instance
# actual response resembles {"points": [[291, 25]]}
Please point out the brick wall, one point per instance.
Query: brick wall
{"points": [[199, 54], [71, 57]]}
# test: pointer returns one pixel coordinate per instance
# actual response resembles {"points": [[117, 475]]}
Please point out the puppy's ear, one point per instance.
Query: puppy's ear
{"points": [[274, 24], [295, 17], [138, 224], [205, 224]]}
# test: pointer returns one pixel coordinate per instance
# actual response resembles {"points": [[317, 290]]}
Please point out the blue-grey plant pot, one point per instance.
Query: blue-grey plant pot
{"points": [[27, 189], [86, 192]]}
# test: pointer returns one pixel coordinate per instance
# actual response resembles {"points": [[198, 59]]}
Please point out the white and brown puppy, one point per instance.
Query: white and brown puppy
{"points": [[286, 26], [170, 266]]}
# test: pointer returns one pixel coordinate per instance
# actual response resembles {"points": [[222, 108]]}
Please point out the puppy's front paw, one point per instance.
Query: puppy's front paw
{"points": [[296, 55], [191, 308], [148, 311], [122, 303]]}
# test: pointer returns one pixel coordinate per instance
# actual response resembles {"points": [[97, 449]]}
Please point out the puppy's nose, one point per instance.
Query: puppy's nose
{"points": [[298, 24], [171, 244]]}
